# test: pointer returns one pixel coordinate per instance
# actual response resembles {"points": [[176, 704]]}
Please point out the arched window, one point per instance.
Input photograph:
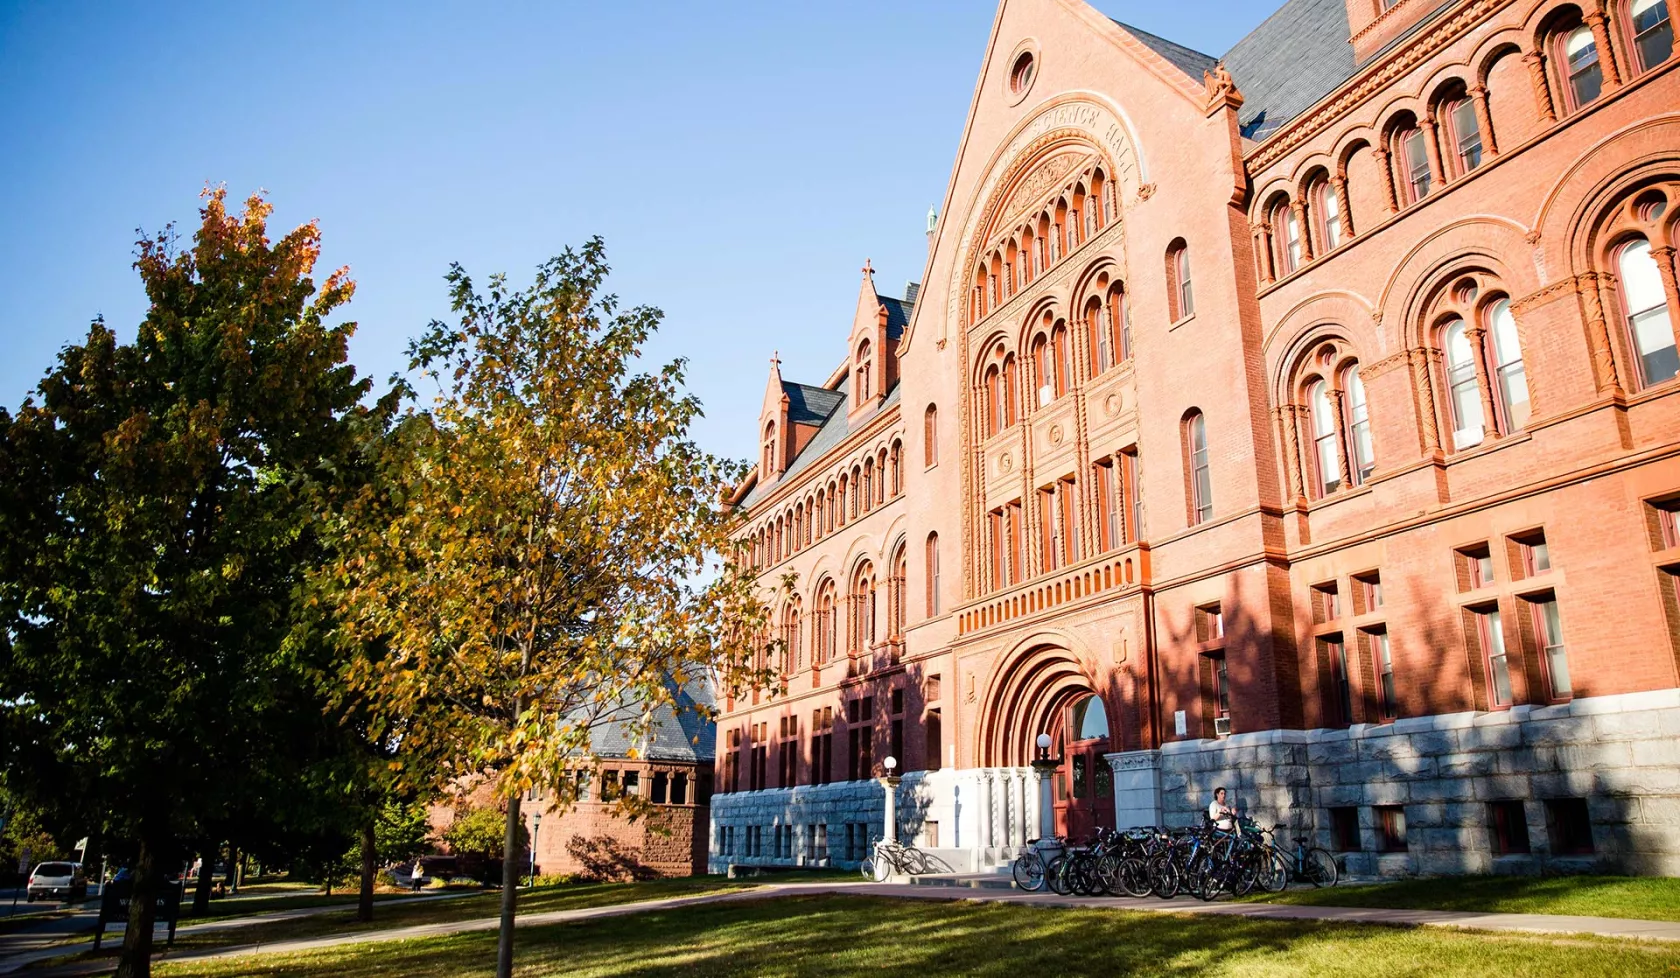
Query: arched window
{"points": [[861, 634], [1061, 357], [930, 436], [868, 484], [1329, 210], [1509, 376], [896, 461], [1585, 76], [1044, 369], [881, 459], [1287, 237], [1358, 425], [1412, 157], [767, 461], [932, 574], [896, 603], [824, 626], [1180, 298], [1464, 133], [819, 526], [793, 658], [1647, 312], [1653, 34], [993, 402], [864, 367], [1464, 395], [1196, 468], [1325, 430], [1105, 330]]}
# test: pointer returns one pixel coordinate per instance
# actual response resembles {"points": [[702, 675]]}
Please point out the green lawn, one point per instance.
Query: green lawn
{"points": [[834, 936], [1643, 897]]}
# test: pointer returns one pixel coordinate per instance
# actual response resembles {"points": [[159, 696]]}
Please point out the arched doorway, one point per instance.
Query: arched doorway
{"points": [[1083, 789]]}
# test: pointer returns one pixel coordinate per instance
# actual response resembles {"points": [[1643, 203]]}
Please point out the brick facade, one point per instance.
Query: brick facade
{"points": [[1314, 409]]}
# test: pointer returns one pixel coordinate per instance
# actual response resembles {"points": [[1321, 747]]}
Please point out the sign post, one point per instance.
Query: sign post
{"points": [[114, 900]]}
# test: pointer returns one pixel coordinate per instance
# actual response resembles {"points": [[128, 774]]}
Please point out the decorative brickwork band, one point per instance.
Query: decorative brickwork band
{"points": [[1539, 297], [1542, 88], [1598, 332], [1425, 400]]}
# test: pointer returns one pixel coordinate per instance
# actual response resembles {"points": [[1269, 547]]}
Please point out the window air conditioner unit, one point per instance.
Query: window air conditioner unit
{"points": [[1046, 394], [1222, 726]]}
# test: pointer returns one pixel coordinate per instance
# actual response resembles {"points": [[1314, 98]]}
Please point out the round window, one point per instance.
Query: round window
{"points": [[1021, 74]]}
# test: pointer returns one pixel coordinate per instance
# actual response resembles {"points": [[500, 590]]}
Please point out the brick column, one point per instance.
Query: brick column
{"points": [[1300, 210], [1542, 85], [1484, 119], [1606, 51], [1388, 178], [1432, 150], [1291, 448], [1338, 183], [1263, 250], [1664, 256], [1335, 396], [1598, 333]]}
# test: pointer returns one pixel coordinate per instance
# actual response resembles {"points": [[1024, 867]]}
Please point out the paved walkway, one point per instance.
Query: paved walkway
{"points": [[1527, 923]]}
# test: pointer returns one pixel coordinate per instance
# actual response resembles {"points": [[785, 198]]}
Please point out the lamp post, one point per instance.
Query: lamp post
{"points": [[536, 827], [1044, 768], [890, 784]]}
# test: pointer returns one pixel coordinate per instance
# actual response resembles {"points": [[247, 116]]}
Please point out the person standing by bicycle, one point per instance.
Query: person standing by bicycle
{"points": [[1223, 816]]}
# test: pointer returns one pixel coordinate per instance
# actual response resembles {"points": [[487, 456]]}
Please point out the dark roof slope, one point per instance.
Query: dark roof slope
{"points": [[1187, 60], [679, 733], [1295, 57], [898, 315], [810, 405]]}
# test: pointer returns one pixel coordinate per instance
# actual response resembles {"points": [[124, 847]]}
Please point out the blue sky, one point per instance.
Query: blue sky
{"points": [[740, 159]]}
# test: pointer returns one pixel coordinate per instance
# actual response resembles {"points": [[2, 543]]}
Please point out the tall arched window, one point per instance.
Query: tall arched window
{"points": [[1287, 238], [1585, 76], [1180, 297], [1464, 132], [864, 369], [861, 634], [1464, 395], [767, 460], [1647, 312], [1363, 460], [1326, 454], [1199, 478], [1048, 358], [992, 388], [896, 603], [930, 436], [1653, 34], [824, 625], [896, 460], [932, 574], [793, 658], [1508, 371], [1329, 210], [1412, 157]]}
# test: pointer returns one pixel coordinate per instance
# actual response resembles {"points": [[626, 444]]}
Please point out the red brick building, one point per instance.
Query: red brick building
{"points": [[1303, 420]]}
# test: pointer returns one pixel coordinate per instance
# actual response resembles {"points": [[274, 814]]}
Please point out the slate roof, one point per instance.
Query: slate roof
{"points": [[1187, 60], [679, 733], [810, 405], [1295, 57], [898, 315], [832, 433]]}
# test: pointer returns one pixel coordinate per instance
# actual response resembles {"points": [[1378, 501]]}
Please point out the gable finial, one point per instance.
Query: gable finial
{"points": [[867, 270]]}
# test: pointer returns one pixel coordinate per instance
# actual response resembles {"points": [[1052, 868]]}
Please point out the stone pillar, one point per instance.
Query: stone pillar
{"points": [[1291, 448], [1299, 207], [1424, 391], [1477, 335], [1339, 184], [1044, 771], [1432, 150], [988, 839], [1542, 87], [1263, 251], [1023, 792], [1137, 788], [1606, 51], [1664, 256], [1484, 119], [1345, 472], [1598, 332], [889, 787], [1388, 178]]}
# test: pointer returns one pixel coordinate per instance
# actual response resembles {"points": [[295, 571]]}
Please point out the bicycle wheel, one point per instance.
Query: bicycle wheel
{"points": [[868, 867], [1320, 869], [1029, 871], [1055, 875], [1108, 873], [1274, 877], [1083, 873], [1134, 877], [1205, 878], [1164, 877]]}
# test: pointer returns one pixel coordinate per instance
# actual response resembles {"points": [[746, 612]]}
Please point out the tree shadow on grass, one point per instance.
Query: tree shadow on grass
{"points": [[841, 936]]}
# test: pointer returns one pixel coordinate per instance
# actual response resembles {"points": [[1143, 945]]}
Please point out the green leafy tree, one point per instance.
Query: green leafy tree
{"points": [[155, 515], [482, 832], [402, 832], [533, 562]]}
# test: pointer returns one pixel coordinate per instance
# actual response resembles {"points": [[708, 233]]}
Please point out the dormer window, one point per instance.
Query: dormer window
{"points": [[864, 367], [767, 463]]}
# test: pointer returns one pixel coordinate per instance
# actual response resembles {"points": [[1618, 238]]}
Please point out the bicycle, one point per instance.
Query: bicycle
{"points": [[1309, 864], [1029, 867], [886, 857]]}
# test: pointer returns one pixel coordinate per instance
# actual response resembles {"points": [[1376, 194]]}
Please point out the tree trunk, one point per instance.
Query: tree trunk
{"points": [[510, 889], [364, 903], [136, 960], [206, 878], [233, 867]]}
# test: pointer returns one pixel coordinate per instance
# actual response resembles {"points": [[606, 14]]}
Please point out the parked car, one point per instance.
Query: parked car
{"points": [[57, 881]]}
